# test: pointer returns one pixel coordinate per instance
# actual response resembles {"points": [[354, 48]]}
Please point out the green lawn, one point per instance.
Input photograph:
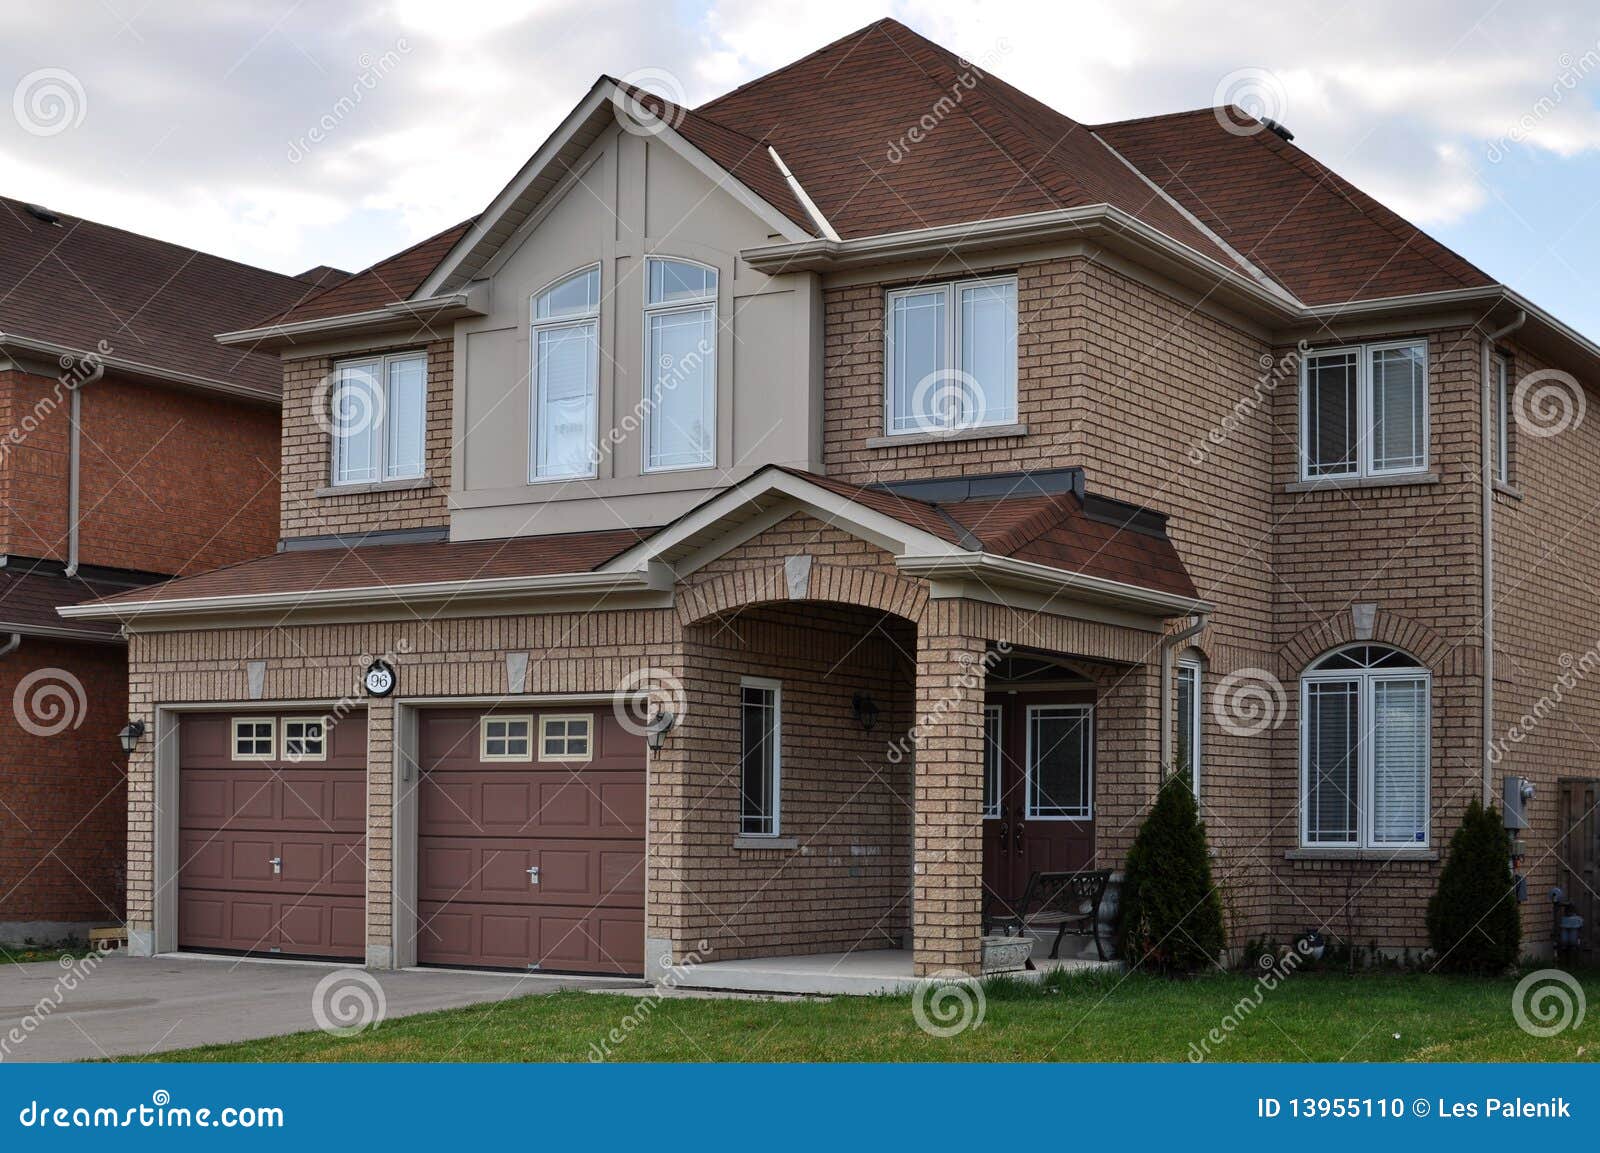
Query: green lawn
{"points": [[28, 954], [1090, 1017]]}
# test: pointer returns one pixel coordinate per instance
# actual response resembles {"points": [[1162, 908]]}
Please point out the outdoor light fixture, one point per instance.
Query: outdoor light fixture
{"points": [[657, 728], [129, 736], [865, 710]]}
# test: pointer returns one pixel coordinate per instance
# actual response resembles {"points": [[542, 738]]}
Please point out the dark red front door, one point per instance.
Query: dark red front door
{"points": [[272, 834], [530, 840], [1039, 787]]}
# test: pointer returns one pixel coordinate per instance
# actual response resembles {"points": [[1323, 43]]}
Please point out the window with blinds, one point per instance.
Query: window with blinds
{"points": [[1365, 750], [1364, 411]]}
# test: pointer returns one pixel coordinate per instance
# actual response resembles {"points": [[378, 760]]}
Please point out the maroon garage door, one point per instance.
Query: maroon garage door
{"points": [[272, 841], [531, 841]]}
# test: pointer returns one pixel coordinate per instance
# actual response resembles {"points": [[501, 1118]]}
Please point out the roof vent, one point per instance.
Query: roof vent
{"points": [[1281, 129], [40, 212]]}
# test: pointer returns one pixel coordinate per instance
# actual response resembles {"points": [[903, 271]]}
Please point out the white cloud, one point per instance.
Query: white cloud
{"points": [[193, 112]]}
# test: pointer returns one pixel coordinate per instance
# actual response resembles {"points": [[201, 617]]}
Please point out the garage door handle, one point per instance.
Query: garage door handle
{"points": [[533, 874], [277, 864]]}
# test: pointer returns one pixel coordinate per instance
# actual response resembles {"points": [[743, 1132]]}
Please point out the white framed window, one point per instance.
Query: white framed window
{"points": [[305, 739], [760, 756], [565, 737], [1502, 419], [950, 352], [254, 738], [993, 752], [379, 418], [1060, 765], [680, 365], [1364, 750], [564, 343], [1188, 745], [505, 739], [1364, 410]]}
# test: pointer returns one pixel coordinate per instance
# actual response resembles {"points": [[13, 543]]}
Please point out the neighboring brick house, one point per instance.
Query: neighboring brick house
{"points": [[777, 527], [135, 448]]}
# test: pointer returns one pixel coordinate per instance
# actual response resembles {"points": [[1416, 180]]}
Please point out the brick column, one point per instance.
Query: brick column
{"points": [[1127, 757], [947, 853], [380, 832]]}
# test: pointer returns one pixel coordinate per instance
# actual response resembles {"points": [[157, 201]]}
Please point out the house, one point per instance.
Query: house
{"points": [[770, 527], [134, 448]]}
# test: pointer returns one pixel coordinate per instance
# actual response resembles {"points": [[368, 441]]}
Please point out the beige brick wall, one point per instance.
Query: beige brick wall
{"points": [[1547, 622], [307, 509]]}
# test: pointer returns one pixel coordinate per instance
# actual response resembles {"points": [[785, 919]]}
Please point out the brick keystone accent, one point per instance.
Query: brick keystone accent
{"points": [[1381, 627]]}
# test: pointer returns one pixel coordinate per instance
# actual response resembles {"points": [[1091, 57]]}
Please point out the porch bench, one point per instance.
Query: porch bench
{"points": [[1067, 902]]}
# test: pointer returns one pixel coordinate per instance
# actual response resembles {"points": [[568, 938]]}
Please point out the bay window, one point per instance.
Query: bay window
{"points": [[680, 321], [1364, 750], [1364, 411], [951, 356], [379, 418], [565, 346]]}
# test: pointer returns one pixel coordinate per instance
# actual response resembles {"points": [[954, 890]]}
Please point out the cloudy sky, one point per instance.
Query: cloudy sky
{"points": [[213, 123]]}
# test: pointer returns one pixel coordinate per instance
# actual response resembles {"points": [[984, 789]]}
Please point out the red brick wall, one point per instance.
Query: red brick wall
{"points": [[63, 797], [172, 481]]}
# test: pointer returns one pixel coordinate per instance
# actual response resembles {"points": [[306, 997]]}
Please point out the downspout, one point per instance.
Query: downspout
{"points": [[1169, 645], [73, 439], [1487, 453], [11, 645]]}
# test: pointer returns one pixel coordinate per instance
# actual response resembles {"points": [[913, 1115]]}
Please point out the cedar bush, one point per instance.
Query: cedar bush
{"points": [[1171, 912], [1473, 922]]}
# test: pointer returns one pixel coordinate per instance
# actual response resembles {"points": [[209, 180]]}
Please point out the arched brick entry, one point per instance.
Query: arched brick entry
{"points": [[801, 579]]}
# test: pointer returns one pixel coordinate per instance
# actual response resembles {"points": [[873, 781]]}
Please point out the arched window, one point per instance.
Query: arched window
{"points": [[680, 365], [1364, 750], [565, 344]]}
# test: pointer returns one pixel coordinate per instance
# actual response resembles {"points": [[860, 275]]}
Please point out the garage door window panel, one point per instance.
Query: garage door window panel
{"points": [[565, 737], [507, 739], [254, 738], [304, 739]]}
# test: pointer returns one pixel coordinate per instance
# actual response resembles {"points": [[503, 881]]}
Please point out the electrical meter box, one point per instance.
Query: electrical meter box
{"points": [[1518, 792]]}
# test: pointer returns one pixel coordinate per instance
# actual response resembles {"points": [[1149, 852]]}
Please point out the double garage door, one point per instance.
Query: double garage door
{"points": [[530, 846]]}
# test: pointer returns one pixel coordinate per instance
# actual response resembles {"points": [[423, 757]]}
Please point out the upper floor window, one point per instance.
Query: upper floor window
{"points": [[565, 345], [680, 355], [1364, 750], [1502, 420], [379, 416], [1364, 410], [951, 351]]}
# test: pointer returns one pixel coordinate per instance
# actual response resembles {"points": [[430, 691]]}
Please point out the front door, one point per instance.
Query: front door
{"points": [[1038, 787]]}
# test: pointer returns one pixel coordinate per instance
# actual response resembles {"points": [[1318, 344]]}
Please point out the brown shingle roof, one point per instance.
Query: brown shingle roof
{"points": [[1060, 531], [386, 282], [30, 594], [842, 120], [390, 565], [1314, 232], [75, 283]]}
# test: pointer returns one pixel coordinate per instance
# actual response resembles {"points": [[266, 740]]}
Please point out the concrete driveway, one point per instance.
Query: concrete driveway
{"points": [[115, 1005]]}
